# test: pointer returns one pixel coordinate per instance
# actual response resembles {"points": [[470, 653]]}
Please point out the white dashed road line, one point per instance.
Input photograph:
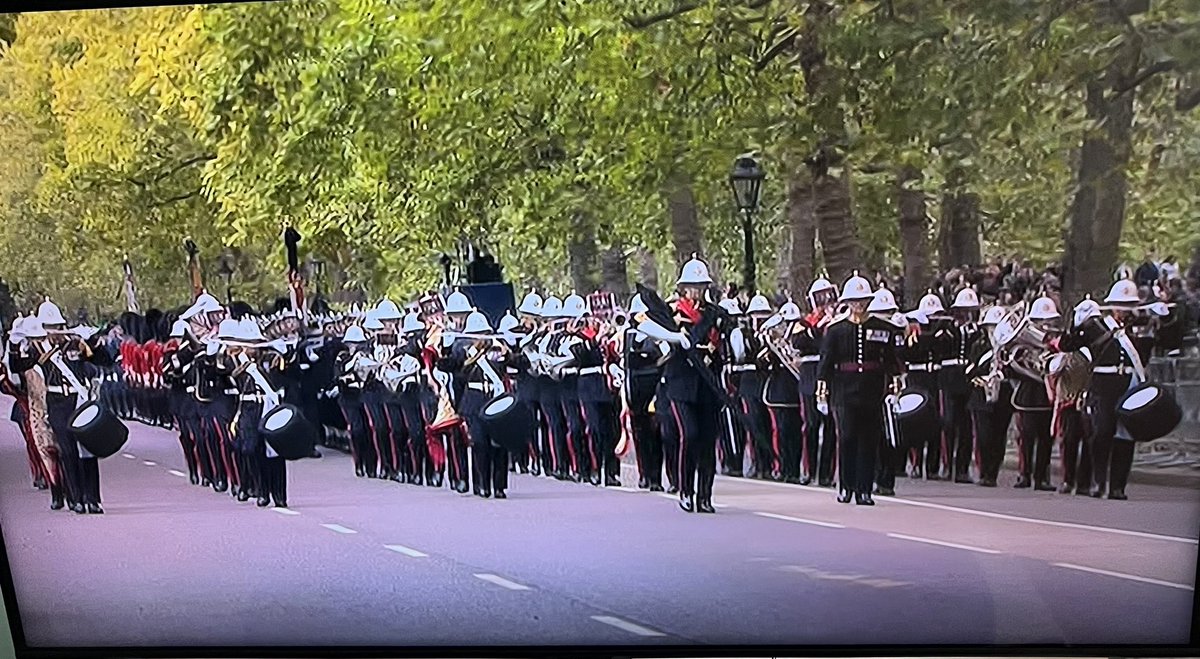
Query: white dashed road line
{"points": [[176, 472], [407, 551], [627, 626], [501, 581], [1121, 575], [338, 528], [285, 511], [952, 545], [149, 463], [814, 522], [129, 456]]}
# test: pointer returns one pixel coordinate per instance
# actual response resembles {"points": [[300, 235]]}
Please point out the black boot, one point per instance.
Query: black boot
{"points": [[56, 498], [1044, 486], [243, 496], [687, 503], [863, 499], [844, 496], [220, 486], [705, 506], [263, 502], [501, 495], [1023, 482], [95, 509], [656, 487], [535, 469], [78, 509], [643, 484], [612, 481], [1117, 495]]}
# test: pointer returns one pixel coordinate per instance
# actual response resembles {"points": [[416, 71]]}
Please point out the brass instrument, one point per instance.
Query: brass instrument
{"points": [[777, 338], [439, 382]]}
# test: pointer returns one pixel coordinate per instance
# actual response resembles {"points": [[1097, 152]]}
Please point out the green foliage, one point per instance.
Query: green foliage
{"points": [[387, 132]]}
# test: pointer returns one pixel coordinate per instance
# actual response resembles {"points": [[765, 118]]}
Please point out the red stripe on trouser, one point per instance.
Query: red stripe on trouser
{"points": [[590, 439], [231, 468], [570, 440], [945, 454], [374, 436], [775, 457], [805, 458], [553, 440], [682, 446]]}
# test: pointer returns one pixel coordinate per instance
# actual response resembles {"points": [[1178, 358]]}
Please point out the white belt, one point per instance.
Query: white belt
{"points": [[478, 386], [591, 370], [354, 385], [742, 368], [954, 362], [231, 392], [810, 358], [1117, 370], [570, 370], [190, 390], [924, 367], [305, 367], [254, 398], [513, 371]]}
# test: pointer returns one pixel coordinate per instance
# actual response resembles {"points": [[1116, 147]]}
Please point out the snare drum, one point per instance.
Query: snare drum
{"points": [[286, 430], [917, 416], [1148, 412], [98, 430], [508, 422]]}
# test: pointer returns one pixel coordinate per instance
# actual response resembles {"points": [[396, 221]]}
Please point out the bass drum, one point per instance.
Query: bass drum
{"points": [[288, 432], [916, 413], [508, 422], [1147, 412], [98, 430]]}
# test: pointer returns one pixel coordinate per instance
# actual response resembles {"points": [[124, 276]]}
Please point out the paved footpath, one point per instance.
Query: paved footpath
{"points": [[368, 562]]}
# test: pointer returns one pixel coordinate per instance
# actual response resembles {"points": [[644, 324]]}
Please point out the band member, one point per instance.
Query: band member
{"points": [[1070, 426], [1116, 362], [820, 433], [65, 362], [643, 371], [546, 353], [691, 394], [925, 345], [17, 349], [253, 365], [1032, 403], [375, 395], [891, 458], [955, 388], [990, 403], [583, 468], [857, 362], [185, 413], [478, 363], [745, 346], [22, 364], [353, 373], [409, 395], [598, 405], [781, 394], [731, 451], [388, 353], [528, 383]]}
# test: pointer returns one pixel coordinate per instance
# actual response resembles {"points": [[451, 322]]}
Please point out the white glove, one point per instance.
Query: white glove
{"points": [[212, 348], [684, 341]]}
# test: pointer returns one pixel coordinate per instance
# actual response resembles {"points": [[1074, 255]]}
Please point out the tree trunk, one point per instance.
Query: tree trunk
{"points": [[1097, 214], [686, 233], [835, 224], [582, 253], [958, 233], [914, 232], [613, 272], [647, 265], [800, 232]]}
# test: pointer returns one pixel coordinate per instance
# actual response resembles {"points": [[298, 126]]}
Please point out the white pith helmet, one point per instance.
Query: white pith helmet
{"points": [[636, 305], [354, 334], [531, 305], [993, 315], [856, 289], [387, 310], [758, 304], [966, 299], [884, 302], [1122, 292], [694, 272], [552, 307], [477, 323], [930, 304], [412, 323], [1043, 308], [457, 302]]}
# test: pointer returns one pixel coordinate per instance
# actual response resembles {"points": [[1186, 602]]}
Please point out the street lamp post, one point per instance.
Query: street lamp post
{"points": [[318, 271], [226, 272], [746, 183]]}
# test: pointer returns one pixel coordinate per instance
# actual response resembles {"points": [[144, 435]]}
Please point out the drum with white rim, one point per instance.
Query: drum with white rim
{"points": [[98, 430], [508, 422], [1148, 412], [916, 414], [288, 432]]}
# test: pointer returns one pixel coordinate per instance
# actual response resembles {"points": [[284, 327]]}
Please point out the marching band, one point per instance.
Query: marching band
{"points": [[847, 394]]}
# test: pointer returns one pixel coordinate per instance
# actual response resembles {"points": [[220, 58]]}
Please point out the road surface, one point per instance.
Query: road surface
{"points": [[368, 562]]}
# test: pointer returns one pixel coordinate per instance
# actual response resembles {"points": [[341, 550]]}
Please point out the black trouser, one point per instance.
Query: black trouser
{"points": [[956, 434], [891, 461], [927, 451], [785, 439], [538, 452], [576, 435], [1112, 458], [251, 450], [1076, 456], [187, 425], [860, 434], [419, 464], [733, 441], [668, 431], [647, 440], [360, 433], [698, 427], [491, 460], [379, 433], [991, 436], [762, 455], [60, 409], [274, 479], [556, 424], [818, 450], [1035, 444], [600, 418]]}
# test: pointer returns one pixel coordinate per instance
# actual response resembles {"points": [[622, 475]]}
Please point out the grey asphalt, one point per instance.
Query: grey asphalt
{"points": [[560, 563]]}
